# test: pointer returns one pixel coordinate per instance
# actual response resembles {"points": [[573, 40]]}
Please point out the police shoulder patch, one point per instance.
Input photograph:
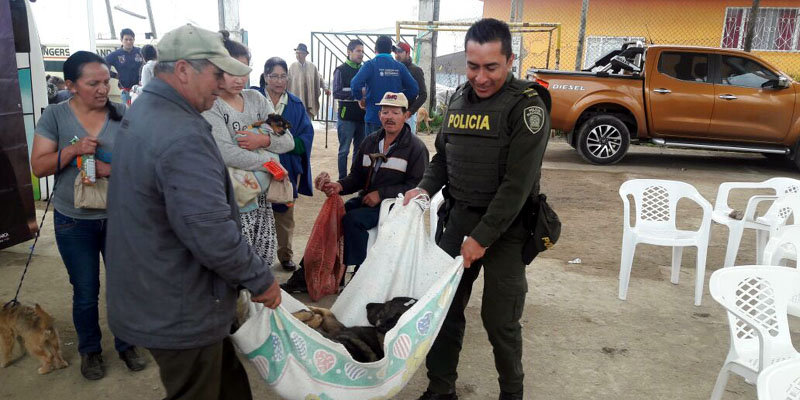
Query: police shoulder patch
{"points": [[530, 92], [534, 118]]}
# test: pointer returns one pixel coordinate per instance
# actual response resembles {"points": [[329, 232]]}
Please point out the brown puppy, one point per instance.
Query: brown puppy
{"points": [[34, 329], [276, 122], [364, 343]]}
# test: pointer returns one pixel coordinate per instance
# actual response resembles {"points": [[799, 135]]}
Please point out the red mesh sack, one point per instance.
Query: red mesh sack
{"points": [[322, 260]]}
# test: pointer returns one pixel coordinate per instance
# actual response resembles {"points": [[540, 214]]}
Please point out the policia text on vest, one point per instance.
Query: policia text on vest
{"points": [[481, 122]]}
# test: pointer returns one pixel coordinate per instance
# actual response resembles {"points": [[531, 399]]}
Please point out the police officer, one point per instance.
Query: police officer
{"points": [[489, 155]]}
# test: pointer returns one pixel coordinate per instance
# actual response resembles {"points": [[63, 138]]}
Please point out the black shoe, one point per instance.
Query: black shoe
{"points": [[510, 396], [133, 360], [92, 366], [296, 282], [428, 395], [288, 265]]}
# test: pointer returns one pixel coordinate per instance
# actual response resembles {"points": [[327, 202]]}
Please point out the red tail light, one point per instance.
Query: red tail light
{"points": [[544, 83]]}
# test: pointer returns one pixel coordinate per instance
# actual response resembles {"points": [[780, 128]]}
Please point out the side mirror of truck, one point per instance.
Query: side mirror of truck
{"points": [[781, 83]]}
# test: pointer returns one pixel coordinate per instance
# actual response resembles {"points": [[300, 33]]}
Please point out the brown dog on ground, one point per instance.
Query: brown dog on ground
{"points": [[33, 328], [422, 116]]}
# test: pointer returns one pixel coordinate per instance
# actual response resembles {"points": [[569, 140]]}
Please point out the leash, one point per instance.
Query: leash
{"points": [[38, 232]]}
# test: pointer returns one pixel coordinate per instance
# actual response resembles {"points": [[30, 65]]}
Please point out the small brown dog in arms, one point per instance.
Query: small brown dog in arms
{"points": [[33, 328]]}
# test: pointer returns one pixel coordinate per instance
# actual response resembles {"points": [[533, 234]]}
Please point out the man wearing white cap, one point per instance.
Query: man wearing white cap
{"points": [[175, 249], [389, 162]]}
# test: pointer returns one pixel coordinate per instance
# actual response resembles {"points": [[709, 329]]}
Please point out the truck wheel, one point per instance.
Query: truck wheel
{"points": [[603, 139]]}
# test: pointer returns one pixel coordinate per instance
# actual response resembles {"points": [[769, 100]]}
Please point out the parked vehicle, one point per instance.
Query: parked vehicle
{"points": [[678, 96]]}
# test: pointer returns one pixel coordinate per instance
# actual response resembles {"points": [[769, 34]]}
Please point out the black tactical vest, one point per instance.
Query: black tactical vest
{"points": [[477, 136], [349, 109]]}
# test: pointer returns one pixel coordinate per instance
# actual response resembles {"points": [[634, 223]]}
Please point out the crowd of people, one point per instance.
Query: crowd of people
{"points": [[178, 245]]}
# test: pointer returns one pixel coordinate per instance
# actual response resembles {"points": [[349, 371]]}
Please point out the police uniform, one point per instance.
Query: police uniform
{"points": [[489, 154]]}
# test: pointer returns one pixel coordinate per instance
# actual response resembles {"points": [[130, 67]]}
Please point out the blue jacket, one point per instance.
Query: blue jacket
{"points": [[297, 164], [128, 65], [380, 75]]}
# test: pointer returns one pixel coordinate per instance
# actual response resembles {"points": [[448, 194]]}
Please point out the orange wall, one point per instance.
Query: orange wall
{"points": [[691, 22]]}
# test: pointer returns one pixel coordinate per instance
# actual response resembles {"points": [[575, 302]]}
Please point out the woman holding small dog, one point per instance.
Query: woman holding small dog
{"points": [[234, 110], [84, 125]]}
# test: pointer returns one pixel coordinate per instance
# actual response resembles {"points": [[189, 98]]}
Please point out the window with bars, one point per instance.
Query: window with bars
{"points": [[776, 29]]}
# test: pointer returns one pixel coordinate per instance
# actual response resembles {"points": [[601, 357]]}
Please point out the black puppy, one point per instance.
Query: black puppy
{"points": [[384, 316], [365, 343]]}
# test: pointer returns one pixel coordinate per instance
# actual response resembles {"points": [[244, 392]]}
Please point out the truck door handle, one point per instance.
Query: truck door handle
{"points": [[728, 97], [662, 91]]}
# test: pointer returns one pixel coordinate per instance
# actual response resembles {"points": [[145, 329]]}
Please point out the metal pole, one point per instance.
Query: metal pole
{"points": [[150, 18], [581, 34], [90, 18], [516, 16], [751, 25], [434, 37], [221, 13], [110, 20]]}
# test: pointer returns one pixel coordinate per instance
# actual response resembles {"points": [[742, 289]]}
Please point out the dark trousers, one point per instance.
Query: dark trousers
{"points": [[212, 372], [501, 306], [357, 220], [351, 134], [80, 243]]}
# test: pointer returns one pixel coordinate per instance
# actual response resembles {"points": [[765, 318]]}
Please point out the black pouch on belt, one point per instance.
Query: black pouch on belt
{"points": [[543, 227], [350, 111]]}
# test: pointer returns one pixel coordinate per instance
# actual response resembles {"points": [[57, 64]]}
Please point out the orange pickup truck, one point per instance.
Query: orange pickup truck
{"points": [[677, 96]]}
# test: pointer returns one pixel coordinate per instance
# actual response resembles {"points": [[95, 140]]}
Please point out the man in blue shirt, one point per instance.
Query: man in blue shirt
{"points": [[128, 61], [380, 75]]}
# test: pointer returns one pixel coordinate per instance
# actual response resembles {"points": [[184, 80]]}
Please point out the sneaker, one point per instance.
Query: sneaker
{"points": [[428, 395], [92, 366], [296, 282], [510, 396], [288, 265], [132, 360]]}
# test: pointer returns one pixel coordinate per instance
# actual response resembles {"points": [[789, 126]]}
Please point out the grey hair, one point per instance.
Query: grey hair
{"points": [[168, 67]]}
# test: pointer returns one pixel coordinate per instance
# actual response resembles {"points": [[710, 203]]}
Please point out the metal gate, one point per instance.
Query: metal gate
{"points": [[328, 51]]}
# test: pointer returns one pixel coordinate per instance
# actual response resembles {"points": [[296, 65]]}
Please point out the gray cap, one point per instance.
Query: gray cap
{"points": [[192, 43]]}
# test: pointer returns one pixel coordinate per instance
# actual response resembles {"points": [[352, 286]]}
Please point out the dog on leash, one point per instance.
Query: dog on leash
{"points": [[364, 343], [33, 328], [423, 116]]}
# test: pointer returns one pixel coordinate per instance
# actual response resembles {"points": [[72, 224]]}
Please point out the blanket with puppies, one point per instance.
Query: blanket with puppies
{"points": [[364, 343]]}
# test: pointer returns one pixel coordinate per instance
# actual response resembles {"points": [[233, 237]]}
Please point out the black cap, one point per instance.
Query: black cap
{"points": [[301, 47]]}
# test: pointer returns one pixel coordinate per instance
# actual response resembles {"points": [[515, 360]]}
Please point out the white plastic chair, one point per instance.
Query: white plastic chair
{"points": [[780, 381], [656, 203], [436, 203], [755, 298], [722, 211], [781, 210], [784, 244]]}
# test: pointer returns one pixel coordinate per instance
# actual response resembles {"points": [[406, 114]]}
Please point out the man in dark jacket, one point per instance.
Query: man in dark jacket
{"points": [[175, 250], [389, 162], [402, 53], [380, 75], [350, 119]]}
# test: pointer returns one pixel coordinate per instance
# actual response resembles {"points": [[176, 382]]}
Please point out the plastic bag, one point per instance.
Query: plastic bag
{"points": [[323, 258]]}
